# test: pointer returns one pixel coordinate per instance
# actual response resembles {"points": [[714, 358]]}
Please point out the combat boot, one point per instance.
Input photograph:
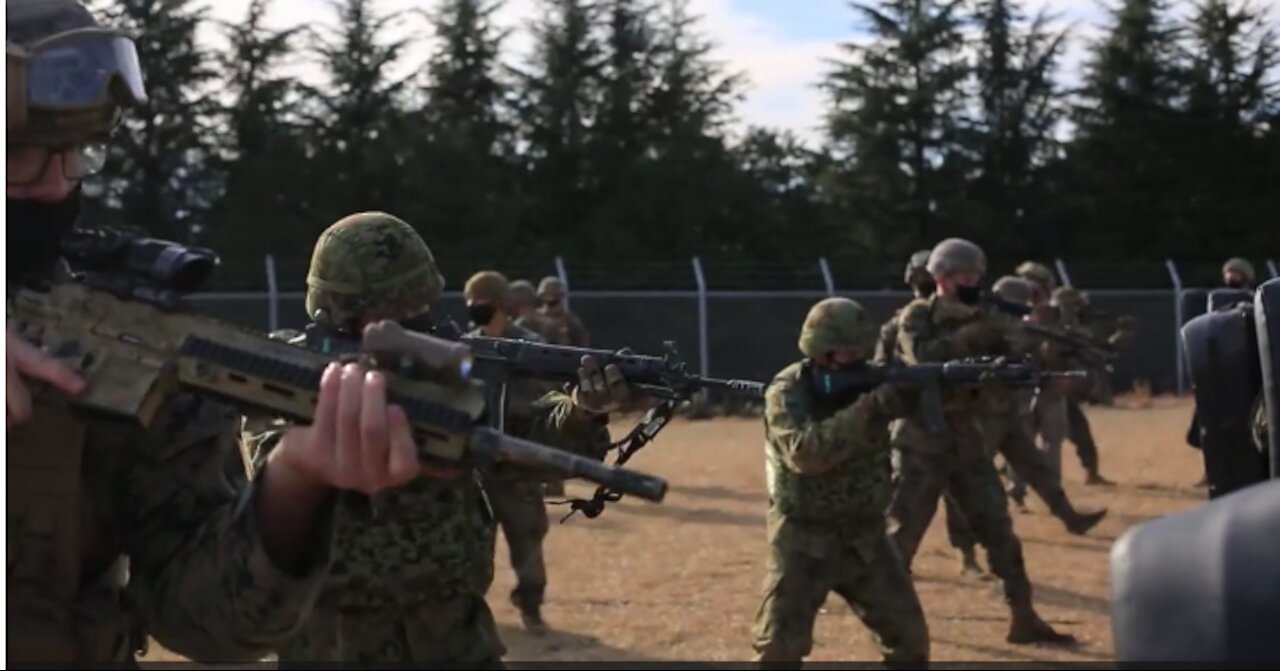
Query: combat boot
{"points": [[1019, 497], [969, 565], [1080, 523], [1095, 478], [1025, 626], [530, 615]]}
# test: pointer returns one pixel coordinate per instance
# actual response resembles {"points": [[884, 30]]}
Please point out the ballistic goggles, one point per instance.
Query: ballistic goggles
{"points": [[83, 70]]}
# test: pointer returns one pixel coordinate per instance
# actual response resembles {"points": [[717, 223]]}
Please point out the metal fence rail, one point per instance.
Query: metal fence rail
{"points": [[753, 333]]}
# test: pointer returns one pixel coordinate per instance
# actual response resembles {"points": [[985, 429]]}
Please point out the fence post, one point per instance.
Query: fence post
{"points": [[1271, 265], [704, 352], [826, 275], [273, 296], [1062, 272], [1177, 329], [563, 274]]}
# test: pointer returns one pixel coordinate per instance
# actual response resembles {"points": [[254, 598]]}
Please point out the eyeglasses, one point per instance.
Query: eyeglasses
{"points": [[26, 164], [74, 71]]}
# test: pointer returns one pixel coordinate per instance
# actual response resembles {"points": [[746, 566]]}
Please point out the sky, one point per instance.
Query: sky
{"points": [[781, 46]]}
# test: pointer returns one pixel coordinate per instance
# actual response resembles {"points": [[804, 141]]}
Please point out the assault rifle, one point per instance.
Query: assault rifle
{"points": [[930, 378], [123, 327], [500, 361], [1096, 354]]}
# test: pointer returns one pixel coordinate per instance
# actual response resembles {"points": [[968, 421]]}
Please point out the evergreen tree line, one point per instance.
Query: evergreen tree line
{"points": [[614, 142]]}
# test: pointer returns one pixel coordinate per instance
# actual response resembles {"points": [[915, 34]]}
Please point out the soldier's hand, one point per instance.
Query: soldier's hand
{"points": [[22, 359], [599, 390], [357, 442]]}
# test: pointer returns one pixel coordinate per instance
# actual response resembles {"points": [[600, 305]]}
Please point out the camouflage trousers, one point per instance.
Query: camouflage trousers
{"points": [[519, 509], [872, 579], [1081, 435], [956, 462], [1049, 413], [1011, 438], [455, 630]]}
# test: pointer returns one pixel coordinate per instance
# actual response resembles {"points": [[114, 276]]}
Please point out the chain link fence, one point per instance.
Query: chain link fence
{"points": [[753, 333]]}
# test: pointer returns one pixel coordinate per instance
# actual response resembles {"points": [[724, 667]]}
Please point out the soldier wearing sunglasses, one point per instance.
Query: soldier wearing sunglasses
{"points": [[117, 534]]}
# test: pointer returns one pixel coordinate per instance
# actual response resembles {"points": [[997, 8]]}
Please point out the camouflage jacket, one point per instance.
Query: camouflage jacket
{"points": [[827, 464], [536, 323], [431, 539], [887, 342], [114, 531], [566, 329], [937, 329]]}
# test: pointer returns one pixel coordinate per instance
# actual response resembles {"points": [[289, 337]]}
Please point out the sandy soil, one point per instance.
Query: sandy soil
{"points": [[682, 580]]}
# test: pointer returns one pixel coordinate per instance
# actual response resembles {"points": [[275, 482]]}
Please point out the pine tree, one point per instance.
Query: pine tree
{"points": [[894, 121], [1020, 107], [160, 175], [1126, 162], [467, 184], [263, 156], [357, 116], [559, 94]]}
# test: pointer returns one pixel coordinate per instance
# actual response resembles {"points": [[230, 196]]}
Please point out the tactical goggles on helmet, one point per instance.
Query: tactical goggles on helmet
{"points": [[75, 71]]}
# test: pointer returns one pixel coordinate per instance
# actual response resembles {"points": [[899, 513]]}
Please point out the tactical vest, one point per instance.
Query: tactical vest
{"points": [[854, 494], [66, 569], [427, 540]]}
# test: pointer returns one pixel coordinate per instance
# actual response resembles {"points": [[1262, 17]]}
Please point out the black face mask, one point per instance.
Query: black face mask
{"points": [[35, 233], [1234, 283], [481, 313], [552, 303], [925, 288], [969, 295]]}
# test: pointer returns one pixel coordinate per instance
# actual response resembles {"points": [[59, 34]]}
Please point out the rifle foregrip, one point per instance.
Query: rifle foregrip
{"points": [[503, 447]]}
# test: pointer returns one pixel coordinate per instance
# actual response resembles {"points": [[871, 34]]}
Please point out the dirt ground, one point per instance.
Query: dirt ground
{"points": [[682, 580]]}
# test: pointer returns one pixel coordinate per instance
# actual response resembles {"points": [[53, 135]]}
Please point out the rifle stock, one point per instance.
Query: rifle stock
{"points": [[134, 355]]}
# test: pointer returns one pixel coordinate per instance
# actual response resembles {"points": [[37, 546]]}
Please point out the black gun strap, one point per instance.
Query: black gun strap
{"points": [[643, 434]]}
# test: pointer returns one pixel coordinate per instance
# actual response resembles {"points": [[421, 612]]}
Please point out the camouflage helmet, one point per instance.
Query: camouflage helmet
{"points": [[1067, 299], [1038, 273], [957, 255], [836, 324], [551, 286], [522, 292], [917, 266], [1013, 289], [1239, 265], [67, 76], [369, 266], [489, 286]]}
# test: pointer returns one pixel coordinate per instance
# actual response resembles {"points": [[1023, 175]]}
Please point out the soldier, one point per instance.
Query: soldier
{"points": [[921, 283], [1006, 430], [412, 565], [1237, 273], [566, 328], [523, 305], [516, 497], [1072, 306], [829, 479], [116, 532], [949, 325], [1041, 278]]}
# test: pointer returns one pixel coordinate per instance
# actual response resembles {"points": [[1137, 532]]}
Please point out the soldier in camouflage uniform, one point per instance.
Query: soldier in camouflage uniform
{"points": [[565, 327], [1238, 273], [523, 306], [411, 565], [1007, 431], [949, 325], [829, 479], [114, 532], [921, 283], [1071, 306], [515, 496]]}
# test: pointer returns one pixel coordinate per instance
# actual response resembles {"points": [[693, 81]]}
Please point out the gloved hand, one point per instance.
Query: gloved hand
{"points": [[600, 391]]}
